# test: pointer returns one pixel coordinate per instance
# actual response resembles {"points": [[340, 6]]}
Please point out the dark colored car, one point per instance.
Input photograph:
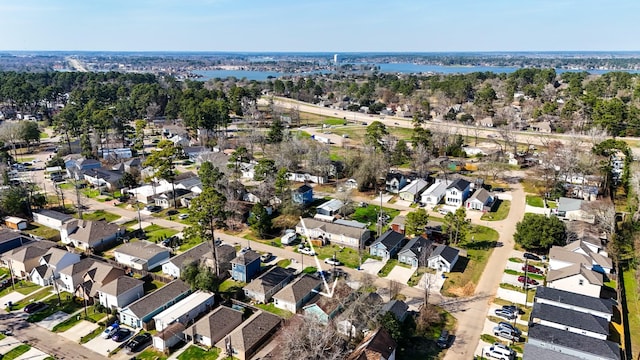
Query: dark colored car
{"points": [[443, 341], [121, 334], [509, 315], [529, 280], [139, 342], [512, 308], [506, 325], [531, 269], [531, 256], [35, 307]]}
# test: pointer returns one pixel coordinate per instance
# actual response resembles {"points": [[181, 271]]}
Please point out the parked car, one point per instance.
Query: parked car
{"points": [[307, 251], [444, 341], [152, 208], [506, 333], [110, 331], [499, 351], [531, 256], [266, 257], [183, 216], [244, 250], [121, 334], [35, 307], [323, 273], [139, 342], [531, 269], [529, 280], [505, 314], [512, 308], [332, 261], [506, 325]]}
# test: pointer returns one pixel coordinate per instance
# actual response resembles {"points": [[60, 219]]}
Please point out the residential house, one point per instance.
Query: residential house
{"points": [[75, 167], [572, 209], [185, 311], [600, 261], [179, 140], [487, 122], [443, 258], [398, 308], [196, 254], [225, 254], [97, 276], [394, 182], [141, 255], [570, 320], [131, 164], [435, 193], [569, 343], [245, 266], [120, 292], [302, 195], [323, 309], [101, 177], [334, 233], [214, 326], [23, 259], [561, 257], [573, 301], [457, 192], [50, 264], [146, 194], [167, 199], [139, 313], [173, 334], [266, 285], [330, 208], [481, 200], [308, 178], [296, 294], [15, 223], [117, 154], [387, 245], [378, 345], [397, 224], [72, 275], [412, 191], [532, 352], [576, 278], [90, 235], [416, 252], [193, 184], [50, 218], [246, 339]]}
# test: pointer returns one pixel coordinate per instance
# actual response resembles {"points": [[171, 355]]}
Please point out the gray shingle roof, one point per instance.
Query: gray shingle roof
{"points": [[141, 249], [575, 269], [120, 285], [416, 246], [217, 324], [332, 228], [397, 307], [532, 352], [270, 279], [156, 299], [389, 239], [253, 331], [298, 289], [603, 348], [55, 215], [570, 318], [574, 299], [246, 258], [447, 252], [481, 195], [196, 253], [415, 187]]}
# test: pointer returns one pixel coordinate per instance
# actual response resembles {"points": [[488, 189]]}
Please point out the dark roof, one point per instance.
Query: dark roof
{"points": [[417, 245], [459, 184], [156, 299], [603, 348], [376, 345], [397, 307], [253, 331], [217, 324], [170, 331], [270, 279], [532, 352], [570, 318], [298, 289], [389, 239], [397, 176], [447, 252], [196, 253], [304, 188], [573, 299], [120, 285], [246, 258]]}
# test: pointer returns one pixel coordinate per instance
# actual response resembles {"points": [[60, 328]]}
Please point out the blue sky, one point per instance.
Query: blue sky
{"points": [[327, 25]]}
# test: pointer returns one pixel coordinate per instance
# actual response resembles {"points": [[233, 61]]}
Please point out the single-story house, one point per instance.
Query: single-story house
{"points": [[324, 308], [214, 326], [176, 264], [247, 338], [570, 320], [139, 313], [578, 302], [90, 235], [576, 278], [398, 308], [572, 209], [481, 200], [387, 245], [15, 223], [412, 191], [100, 177], [170, 336], [120, 292], [141, 255], [397, 224], [10, 240], [416, 251], [377, 345], [330, 208], [166, 199], [185, 311], [434, 193], [51, 218], [293, 296], [266, 285], [443, 258], [334, 233]]}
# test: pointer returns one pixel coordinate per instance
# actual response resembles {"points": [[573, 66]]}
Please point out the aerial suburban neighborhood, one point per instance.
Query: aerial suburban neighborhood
{"points": [[332, 210]]}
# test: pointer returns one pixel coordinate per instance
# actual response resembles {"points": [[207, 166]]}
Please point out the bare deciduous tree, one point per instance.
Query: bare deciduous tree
{"points": [[306, 338]]}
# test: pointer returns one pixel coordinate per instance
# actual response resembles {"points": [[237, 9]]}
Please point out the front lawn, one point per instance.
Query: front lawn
{"points": [[92, 315], [348, 256], [24, 287], [369, 215], [152, 354], [535, 201], [500, 214], [69, 306], [156, 233], [43, 231], [274, 310], [463, 279], [36, 296], [101, 215], [284, 263], [334, 121], [92, 335], [16, 352], [386, 269]]}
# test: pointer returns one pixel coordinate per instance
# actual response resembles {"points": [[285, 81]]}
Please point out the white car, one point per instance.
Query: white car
{"points": [[183, 216], [332, 261], [499, 351], [110, 330], [307, 251]]}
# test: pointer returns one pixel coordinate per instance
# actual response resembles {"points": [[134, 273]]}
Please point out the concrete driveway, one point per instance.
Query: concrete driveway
{"points": [[79, 330], [511, 279], [372, 266], [53, 320], [511, 295], [13, 296], [33, 354], [400, 274], [435, 282], [104, 346], [8, 343]]}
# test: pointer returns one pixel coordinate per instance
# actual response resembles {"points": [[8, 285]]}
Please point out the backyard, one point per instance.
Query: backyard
{"points": [[100, 215], [274, 310], [43, 231], [369, 215], [501, 212], [195, 352], [156, 233], [349, 257]]}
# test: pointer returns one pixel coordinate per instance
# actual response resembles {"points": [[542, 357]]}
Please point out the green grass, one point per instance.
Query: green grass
{"points": [[16, 352], [65, 186], [348, 256], [195, 352], [93, 316], [489, 338], [535, 201], [90, 193], [43, 231], [101, 215], [44, 135], [417, 275], [274, 310], [386, 269], [475, 263], [24, 287], [68, 306], [130, 223], [369, 214], [92, 335], [2, 336], [156, 233], [188, 243], [37, 296], [334, 121], [612, 284], [500, 214], [284, 263], [310, 270], [633, 308], [230, 285], [151, 354], [516, 260]]}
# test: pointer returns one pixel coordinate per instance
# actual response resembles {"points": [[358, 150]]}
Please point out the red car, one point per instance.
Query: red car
{"points": [[529, 280], [531, 269]]}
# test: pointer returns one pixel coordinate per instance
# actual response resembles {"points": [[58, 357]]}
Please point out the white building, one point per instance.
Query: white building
{"points": [[185, 311], [120, 292]]}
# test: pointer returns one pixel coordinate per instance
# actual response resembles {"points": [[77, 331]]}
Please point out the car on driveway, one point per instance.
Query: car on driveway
{"points": [[531, 256], [505, 314], [110, 330], [307, 251], [506, 325], [244, 250], [332, 261], [508, 334], [183, 216], [139, 342], [528, 280], [512, 308], [499, 351], [121, 335], [35, 307], [266, 257], [531, 269]]}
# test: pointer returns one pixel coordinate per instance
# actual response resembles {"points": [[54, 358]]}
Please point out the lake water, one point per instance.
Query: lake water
{"points": [[405, 68]]}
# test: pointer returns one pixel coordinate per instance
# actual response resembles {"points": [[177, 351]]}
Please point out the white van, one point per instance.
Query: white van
{"points": [[289, 237]]}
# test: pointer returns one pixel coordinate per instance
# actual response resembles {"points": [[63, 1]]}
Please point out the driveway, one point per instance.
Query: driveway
{"points": [[435, 282], [14, 297], [372, 266], [400, 274], [104, 346], [511, 295], [54, 319], [79, 330], [8, 343], [33, 354]]}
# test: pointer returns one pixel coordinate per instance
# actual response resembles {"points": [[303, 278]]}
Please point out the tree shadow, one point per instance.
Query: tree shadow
{"points": [[480, 245]]}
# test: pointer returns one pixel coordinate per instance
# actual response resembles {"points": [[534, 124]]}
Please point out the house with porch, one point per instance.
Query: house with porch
{"points": [[443, 258], [416, 252], [412, 191], [387, 245], [481, 200], [457, 192], [49, 265]]}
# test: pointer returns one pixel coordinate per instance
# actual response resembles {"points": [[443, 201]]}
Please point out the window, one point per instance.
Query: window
{"points": [[580, 282]]}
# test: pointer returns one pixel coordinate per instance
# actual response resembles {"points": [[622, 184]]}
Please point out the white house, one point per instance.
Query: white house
{"points": [[443, 258], [457, 192], [411, 192], [141, 255], [85, 234], [330, 208], [578, 302], [293, 296], [481, 200], [185, 310], [576, 278], [120, 292], [174, 266], [434, 193], [50, 263], [117, 154], [50, 218]]}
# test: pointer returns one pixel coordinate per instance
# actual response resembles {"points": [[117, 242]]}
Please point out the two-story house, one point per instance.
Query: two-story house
{"points": [[141, 255], [576, 278], [90, 235], [245, 266], [302, 195], [120, 292], [334, 233], [394, 182], [50, 264], [457, 192]]}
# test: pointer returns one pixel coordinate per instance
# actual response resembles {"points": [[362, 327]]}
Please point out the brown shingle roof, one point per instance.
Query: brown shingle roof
{"points": [[253, 331], [120, 285], [375, 346], [217, 324], [575, 269], [298, 289]]}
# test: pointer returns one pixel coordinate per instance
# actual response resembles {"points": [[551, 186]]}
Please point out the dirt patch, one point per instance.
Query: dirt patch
{"points": [[463, 291]]}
